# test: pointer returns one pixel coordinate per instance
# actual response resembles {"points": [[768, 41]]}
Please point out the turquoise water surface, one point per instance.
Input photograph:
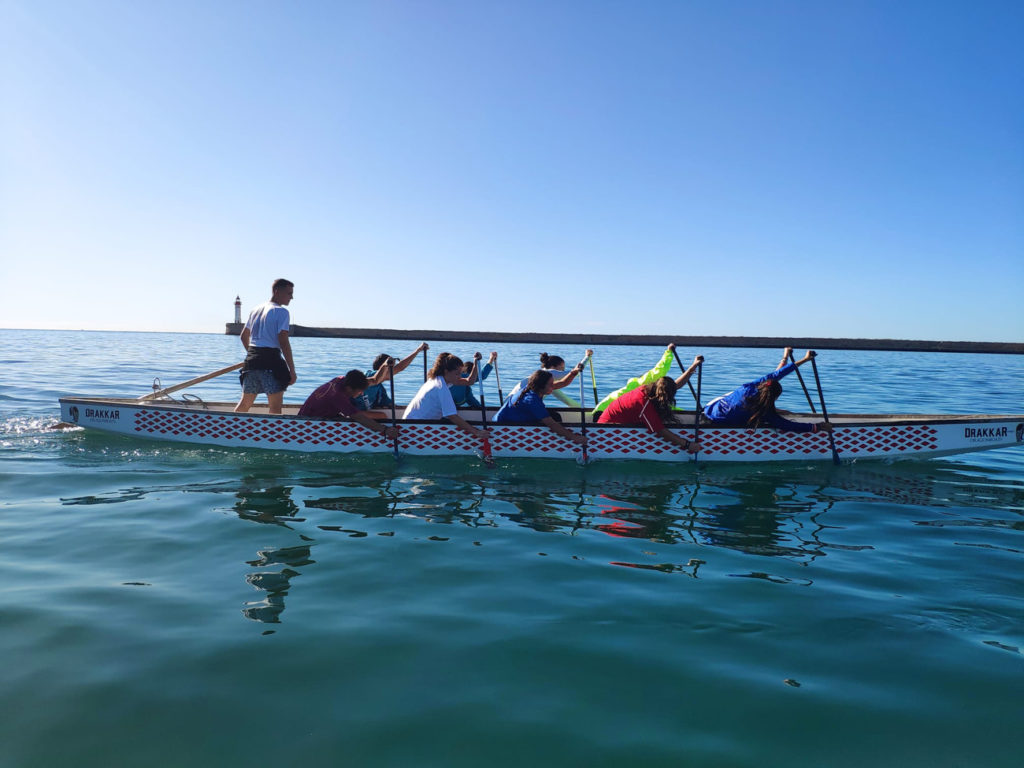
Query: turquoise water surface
{"points": [[164, 605]]}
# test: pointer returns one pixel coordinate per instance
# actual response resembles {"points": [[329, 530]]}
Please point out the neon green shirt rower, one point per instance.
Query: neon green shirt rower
{"points": [[661, 369]]}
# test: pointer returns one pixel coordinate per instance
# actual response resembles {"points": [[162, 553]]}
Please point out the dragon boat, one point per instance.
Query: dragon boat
{"points": [[856, 436]]}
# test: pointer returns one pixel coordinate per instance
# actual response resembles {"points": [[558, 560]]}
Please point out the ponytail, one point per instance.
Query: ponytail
{"points": [[550, 361]]}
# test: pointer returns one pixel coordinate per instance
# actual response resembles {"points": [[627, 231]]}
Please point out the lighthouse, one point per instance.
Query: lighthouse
{"points": [[235, 328]]}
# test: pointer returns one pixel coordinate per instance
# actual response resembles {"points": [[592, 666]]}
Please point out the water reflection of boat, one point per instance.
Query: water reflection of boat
{"points": [[859, 437], [774, 514], [654, 518]]}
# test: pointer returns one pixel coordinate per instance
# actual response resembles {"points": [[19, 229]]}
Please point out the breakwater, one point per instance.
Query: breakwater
{"points": [[654, 340]]}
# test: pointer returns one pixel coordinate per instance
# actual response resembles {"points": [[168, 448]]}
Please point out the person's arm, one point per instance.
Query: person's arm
{"points": [[246, 335], [661, 368], [681, 381], [379, 376], [785, 368], [471, 379], [365, 418], [786, 352], [690, 446], [566, 380], [286, 350], [401, 365], [489, 366], [784, 424], [465, 426], [568, 434]]}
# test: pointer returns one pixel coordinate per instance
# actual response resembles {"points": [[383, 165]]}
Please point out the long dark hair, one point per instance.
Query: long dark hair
{"points": [[762, 405], [662, 393], [381, 359], [550, 361], [445, 362], [536, 383]]}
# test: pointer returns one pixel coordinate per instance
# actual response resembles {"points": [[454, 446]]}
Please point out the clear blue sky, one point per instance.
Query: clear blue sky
{"points": [[711, 167]]}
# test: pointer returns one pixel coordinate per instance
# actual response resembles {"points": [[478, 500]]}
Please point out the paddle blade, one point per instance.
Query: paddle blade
{"points": [[486, 455]]}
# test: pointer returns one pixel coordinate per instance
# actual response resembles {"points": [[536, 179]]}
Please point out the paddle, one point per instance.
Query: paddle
{"points": [[800, 376], [688, 382], [593, 381], [824, 411], [583, 410], [488, 458], [190, 382], [394, 420], [424, 366], [497, 378], [696, 413]]}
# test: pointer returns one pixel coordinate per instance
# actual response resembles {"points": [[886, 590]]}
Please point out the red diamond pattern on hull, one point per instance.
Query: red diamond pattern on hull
{"points": [[446, 439], [243, 430], [532, 441], [886, 440]]}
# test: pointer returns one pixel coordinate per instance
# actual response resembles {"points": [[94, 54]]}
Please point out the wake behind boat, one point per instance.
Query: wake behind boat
{"points": [[857, 437]]}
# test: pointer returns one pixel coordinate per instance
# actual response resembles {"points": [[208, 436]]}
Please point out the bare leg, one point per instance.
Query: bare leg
{"points": [[274, 402], [245, 403]]}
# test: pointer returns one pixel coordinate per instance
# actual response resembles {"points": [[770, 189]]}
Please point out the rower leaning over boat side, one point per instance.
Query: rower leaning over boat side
{"points": [[268, 365], [651, 405], [434, 400], [660, 370], [528, 407], [753, 404], [337, 398], [376, 395], [555, 365], [366, 382]]}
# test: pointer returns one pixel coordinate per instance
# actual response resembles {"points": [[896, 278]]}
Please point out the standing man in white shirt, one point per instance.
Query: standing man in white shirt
{"points": [[268, 363]]}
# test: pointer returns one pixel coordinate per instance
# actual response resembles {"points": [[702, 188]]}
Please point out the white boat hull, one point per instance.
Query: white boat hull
{"points": [[856, 437]]}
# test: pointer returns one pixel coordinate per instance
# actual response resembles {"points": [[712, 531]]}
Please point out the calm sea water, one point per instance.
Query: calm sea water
{"points": [[165, 606]]}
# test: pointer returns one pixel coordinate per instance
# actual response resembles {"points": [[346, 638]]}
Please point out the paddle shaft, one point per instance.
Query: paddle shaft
{"points": [[391, 384], [190, 382], [583, 416], [497, 379], [824, 412], [424, 366], [696, 413], [593, 381], [688, 382], [488, 459], [807, 394]]}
